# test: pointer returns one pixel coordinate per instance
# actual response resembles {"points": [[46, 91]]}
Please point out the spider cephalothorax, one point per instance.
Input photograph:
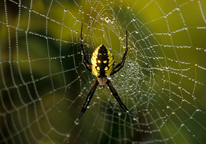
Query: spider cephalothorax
{"points": [[102, 66]]}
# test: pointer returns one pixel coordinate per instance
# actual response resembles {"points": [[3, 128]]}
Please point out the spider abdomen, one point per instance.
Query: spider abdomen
{"points": [[102, 61]]}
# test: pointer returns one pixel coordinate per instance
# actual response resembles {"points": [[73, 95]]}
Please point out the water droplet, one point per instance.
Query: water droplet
{"points": [[76, 121], [122, 74], [107, 20], [135, 119], [119, 113]]}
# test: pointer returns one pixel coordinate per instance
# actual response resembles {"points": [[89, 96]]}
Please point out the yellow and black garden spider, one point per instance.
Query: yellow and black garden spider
{"points": [[102, 66]]}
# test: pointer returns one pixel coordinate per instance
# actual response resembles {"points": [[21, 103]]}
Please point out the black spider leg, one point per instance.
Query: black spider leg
{"points": [[121, 64], [88, 99], [115, 94], [84, 59]]}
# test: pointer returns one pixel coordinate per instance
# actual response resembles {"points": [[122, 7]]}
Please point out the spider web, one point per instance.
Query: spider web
{"points": [[43, 83]]}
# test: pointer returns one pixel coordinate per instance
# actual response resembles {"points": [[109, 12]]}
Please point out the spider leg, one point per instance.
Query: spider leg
{"points": [[121, 64], [84, 59], [115, 94], [88, 99]]}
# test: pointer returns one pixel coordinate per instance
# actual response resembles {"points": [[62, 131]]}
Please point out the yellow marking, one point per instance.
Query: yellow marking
{"points": [[105, 61], [95, 71], [98, 68], [110, 57], [106, 68], [100, 53], [111, 61], [107, 73], [104, 53], [99, 61], [108, 52]]}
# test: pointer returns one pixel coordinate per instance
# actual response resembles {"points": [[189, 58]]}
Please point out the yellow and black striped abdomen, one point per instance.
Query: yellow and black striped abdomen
{"points": [[102, 61]]}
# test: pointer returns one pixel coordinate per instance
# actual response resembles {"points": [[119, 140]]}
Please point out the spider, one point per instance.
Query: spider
{"points": [[102, 66]]}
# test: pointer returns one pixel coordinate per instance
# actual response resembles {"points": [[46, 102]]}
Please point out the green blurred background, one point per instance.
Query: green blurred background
{"points": [[43, 83]]}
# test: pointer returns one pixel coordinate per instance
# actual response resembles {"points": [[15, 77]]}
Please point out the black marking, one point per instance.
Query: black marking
{"points": [[102, 56]]}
